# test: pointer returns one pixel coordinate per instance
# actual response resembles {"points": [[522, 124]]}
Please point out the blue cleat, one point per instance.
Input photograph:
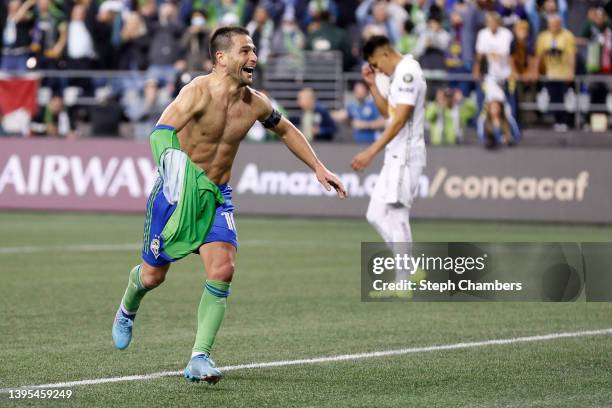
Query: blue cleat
{"points": [[122, 331], [201, 367]]}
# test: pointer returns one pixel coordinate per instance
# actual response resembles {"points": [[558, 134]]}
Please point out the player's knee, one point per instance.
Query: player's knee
{"points": [[222, 270], [151, 277]]}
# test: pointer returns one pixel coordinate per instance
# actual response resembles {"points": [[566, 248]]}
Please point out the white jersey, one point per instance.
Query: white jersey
{"points": [[407, 87], [498, 43]]}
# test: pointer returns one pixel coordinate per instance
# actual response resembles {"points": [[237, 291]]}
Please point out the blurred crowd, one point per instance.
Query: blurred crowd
{"points": [[503, 49]]}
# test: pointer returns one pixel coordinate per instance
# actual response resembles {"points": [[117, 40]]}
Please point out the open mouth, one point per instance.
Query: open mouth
{"points": [[249, 70]]}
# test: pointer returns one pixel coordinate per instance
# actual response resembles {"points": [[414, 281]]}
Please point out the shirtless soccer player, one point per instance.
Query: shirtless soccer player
{"points": [[403, 102], [190, 208]]}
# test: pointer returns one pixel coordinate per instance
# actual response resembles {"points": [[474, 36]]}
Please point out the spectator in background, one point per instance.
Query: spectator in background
{"points": [[550, 8], [472, 16], [556, 55], [366, 122], [225, 12], [49, 37], [397, 10], [325, 36], [347, 17], [522, 53], [278, 9], [492, 61], [310, 11], [315, 120], [80, 51], [132, 52], [148, 10], [261, 29], [53, 120], [538, 12], [417, 13], [597, 36], [524, 64], [288, 45], [196, 47], [493, 50], [370, 31], [432, 45], [454, 61], [288, 38], [511, 12], [106, 34], [133, 57], [80, 45], [379, 17], [438, 9], [408, 40], [195, 42], [448, 116], [496, 126], [302, 11], [16, 38], [165, 54]]}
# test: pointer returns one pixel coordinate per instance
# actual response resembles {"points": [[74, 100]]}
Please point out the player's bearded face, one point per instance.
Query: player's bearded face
{"points": [[243, 60]]}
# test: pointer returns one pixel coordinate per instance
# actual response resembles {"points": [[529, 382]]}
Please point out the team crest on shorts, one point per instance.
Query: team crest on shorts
{"points": [[408, 78], [155, 244]]}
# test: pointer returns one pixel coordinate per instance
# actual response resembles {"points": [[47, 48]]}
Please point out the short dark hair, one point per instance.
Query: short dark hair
{"points": [[375, 42], [222, 39]]}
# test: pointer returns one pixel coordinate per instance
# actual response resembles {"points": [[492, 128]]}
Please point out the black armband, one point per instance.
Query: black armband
{"points": [[272, 120]]}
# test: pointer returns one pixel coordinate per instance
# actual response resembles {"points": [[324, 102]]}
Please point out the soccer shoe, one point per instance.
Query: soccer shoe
{"points": [[418, 276], [201, 367], [122, 331]]}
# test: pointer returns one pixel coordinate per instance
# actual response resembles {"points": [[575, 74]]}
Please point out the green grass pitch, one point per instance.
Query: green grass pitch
{"points": [[295, 295]]}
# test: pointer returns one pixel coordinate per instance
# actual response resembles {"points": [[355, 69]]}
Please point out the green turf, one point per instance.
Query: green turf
{"points": [[296, 295]]}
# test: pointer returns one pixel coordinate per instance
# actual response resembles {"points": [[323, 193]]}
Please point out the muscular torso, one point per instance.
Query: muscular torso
{"points": [[211, 138]]}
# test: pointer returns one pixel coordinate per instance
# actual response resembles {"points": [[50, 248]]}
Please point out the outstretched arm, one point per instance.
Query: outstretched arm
{"points": [[298, 144]]}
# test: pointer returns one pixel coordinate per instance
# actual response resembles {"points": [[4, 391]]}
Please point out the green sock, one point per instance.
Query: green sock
{"points": [[134, 292], [210, 314]]}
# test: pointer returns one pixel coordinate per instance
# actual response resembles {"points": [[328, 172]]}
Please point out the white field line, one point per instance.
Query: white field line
{"points": [[135, 246], [343, 357], [68, 248]]}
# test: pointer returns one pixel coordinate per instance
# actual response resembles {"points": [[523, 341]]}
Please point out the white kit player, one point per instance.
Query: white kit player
{"points": [[402, 101]]}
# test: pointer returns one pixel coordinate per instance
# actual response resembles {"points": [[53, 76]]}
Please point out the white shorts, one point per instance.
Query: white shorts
{"points": [[398, 182]]}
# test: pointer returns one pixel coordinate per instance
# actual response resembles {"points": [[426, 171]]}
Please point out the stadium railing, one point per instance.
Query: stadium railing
{"points": [[285, 75]]}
